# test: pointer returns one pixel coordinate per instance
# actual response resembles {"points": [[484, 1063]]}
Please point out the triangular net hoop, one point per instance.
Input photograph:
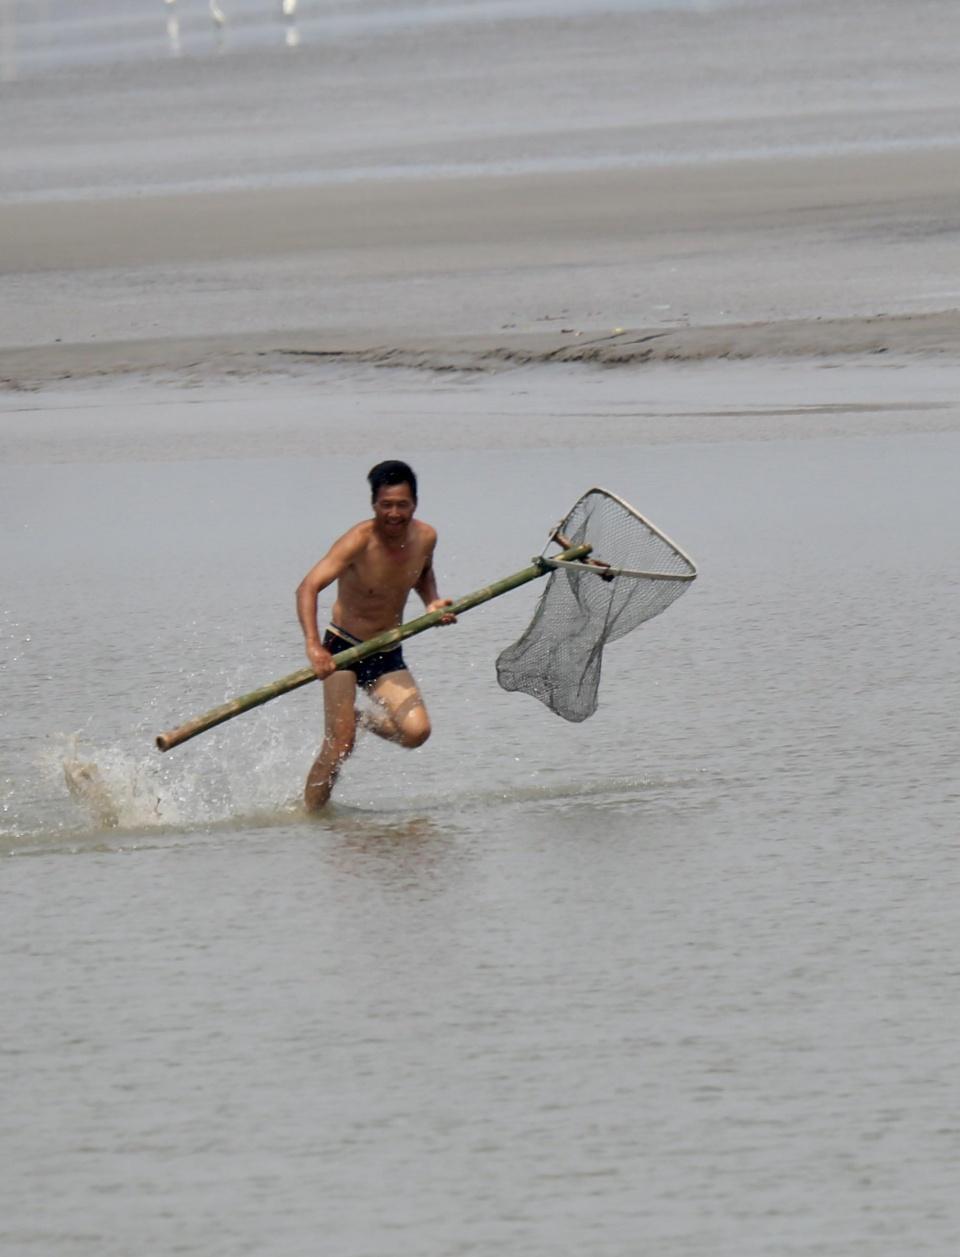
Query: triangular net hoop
{"points": [[557, 660]]}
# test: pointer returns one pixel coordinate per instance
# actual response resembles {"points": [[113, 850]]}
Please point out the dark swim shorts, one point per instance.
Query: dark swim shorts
{"points": [[368, 671]]}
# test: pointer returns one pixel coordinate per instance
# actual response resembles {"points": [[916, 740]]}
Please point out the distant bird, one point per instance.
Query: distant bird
{"points": [[288, 10]]}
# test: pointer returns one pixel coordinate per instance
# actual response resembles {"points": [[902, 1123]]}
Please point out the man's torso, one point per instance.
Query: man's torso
{"points": [[372, 592]]}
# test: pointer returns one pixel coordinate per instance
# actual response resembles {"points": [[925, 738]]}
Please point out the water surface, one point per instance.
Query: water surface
{"points": [[676, 980]]}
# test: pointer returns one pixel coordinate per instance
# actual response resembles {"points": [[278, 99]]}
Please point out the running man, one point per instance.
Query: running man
{"points": [[376, 565]]}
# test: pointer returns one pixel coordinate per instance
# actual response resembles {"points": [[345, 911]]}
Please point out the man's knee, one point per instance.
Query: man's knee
{"points": [[415, 730]]}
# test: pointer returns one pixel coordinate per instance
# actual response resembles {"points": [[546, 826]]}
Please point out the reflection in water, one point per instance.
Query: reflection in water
{"points": [[403, 855], [291, 35], [173, 27]]}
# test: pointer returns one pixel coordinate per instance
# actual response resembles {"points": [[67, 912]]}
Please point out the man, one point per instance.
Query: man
{"points": [[376, 565]]}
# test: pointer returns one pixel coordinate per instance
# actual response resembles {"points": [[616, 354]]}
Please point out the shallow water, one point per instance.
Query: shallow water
{"points": [[676, 980]]}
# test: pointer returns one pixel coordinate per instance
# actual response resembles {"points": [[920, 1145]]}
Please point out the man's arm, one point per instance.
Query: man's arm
{"points": [[330, 568], [426, 587]]}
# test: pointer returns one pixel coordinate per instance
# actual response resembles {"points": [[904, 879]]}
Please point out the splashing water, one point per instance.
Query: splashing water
{"points": [[115, 790], [85, 789]]}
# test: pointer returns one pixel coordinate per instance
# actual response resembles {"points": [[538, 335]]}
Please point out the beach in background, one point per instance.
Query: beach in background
{"points": [[415, 172], [676, 981]]}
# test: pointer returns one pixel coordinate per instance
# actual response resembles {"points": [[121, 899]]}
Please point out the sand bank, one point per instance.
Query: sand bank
{"points": [[813, 256], [296, 353]]}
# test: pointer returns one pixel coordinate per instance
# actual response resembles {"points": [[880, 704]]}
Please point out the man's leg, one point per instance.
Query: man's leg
{"points": [[398, 714], [340, 723]]}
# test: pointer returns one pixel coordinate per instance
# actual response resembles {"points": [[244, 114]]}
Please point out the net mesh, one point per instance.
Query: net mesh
{"points": [[558, 658]]}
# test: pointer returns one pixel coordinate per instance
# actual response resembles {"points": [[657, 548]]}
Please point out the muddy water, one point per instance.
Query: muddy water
{"points": [[679, 979]]}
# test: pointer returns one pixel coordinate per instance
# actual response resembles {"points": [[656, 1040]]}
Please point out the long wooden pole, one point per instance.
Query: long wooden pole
{"points": [[374, 645]]}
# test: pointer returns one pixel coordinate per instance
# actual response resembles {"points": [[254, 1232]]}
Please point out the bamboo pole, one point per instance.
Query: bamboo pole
{"points": [[374, 645]]}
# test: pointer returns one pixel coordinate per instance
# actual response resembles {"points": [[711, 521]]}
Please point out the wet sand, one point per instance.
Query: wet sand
{"points": [[452, 271]]}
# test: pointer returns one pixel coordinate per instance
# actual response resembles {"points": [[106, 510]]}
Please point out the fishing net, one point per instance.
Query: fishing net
{"points": [[633, 572]]}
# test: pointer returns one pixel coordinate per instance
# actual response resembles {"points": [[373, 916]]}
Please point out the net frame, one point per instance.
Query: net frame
{"points": [[596, 564], [557, 659]]}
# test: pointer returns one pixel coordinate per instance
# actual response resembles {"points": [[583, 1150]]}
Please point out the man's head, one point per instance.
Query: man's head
{"points": [[390, 473], [393, 488]]}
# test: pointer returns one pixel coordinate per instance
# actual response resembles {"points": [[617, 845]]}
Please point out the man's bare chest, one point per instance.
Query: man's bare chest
{"points": [[384, 572]]}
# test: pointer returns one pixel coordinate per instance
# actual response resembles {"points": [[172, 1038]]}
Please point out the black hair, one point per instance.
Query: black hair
{"points": [[389, 473]]}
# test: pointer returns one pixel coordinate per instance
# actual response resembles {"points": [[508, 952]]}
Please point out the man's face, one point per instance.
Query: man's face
{"points": [[393, 508]]}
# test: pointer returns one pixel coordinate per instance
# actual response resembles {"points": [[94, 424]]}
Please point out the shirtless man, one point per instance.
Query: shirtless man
{"points": [[376, 565]]}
